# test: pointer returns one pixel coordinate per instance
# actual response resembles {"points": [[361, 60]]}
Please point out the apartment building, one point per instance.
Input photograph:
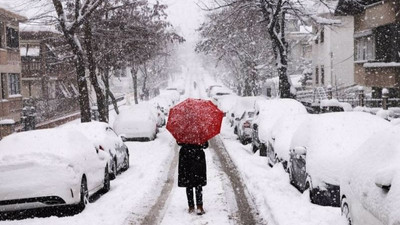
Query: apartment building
{"points": [[10, 71]]}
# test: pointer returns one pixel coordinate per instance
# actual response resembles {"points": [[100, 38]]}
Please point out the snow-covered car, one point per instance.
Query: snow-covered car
{"points": [[157, 111], [104, 138], [267, 113], [180, 90], [241, 105], [225, 103], [171, 94], [244, 130], [138, 123], [278, 146], [370, 185], [321, 147], [50, 167], [217, 92], [330, 105], [209, 89], [164, 102]]}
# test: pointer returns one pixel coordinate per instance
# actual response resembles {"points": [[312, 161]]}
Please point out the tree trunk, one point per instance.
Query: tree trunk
{"points": [[83, 89], [101, 101], [109, 93], [135, 86]]}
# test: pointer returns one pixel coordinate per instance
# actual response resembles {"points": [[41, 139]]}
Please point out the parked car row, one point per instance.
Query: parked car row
{"points": [[59, 166], [341, 159]]}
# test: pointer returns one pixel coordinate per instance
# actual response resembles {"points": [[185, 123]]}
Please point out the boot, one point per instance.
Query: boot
{"points": [[191, 209], [200, 210]]}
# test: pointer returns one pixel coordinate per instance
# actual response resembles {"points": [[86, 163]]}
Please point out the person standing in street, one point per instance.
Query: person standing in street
{"points": [[192, 174]]}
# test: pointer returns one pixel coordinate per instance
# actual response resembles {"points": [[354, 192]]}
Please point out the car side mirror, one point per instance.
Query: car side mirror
{"points": [[300, 150], [385, 187], [123, 138]]}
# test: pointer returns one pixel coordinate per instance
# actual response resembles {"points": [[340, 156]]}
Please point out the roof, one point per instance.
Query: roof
{"points": [[38, 15], [352, 7], [10, 14]]}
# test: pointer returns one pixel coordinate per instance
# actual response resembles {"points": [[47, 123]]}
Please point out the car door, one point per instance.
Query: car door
{"points": [[118, 145]]}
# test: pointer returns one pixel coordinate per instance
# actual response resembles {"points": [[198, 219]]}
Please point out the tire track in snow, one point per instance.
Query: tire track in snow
{"points": [[246, 212], [156, 212]]}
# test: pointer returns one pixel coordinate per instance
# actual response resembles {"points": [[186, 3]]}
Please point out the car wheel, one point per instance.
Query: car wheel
{"points": [[311, 193], [346, 212], [126, 162], [107, 185], [84, 193], [114, 170], [254, 148], [263, 150]]}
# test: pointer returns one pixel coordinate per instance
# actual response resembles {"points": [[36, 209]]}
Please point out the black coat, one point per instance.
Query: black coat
{"points": [[192, 169]]}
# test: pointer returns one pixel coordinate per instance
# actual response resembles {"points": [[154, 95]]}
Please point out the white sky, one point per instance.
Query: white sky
{"points": [[186, 17]]}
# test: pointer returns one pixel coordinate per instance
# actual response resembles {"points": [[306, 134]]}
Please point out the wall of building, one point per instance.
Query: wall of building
{"points": [[335, 54], [377, 15]]}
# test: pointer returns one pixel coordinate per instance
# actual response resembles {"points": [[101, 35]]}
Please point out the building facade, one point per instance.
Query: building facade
{"points": [[377, 46], [332, 51], [10, 72], [48, 77]]}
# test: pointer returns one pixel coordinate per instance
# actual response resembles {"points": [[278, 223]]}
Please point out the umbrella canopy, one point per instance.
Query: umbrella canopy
{"points": [[194, 121]]}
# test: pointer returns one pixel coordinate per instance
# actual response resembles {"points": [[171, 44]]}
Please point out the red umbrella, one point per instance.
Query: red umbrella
{"points": [[194, 121]]}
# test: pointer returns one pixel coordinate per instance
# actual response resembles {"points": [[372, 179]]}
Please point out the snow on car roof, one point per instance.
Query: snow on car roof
{"points": [[283, 131], [330, 139], [97, 133], [271, 110], [244, 103], [56, 143]]}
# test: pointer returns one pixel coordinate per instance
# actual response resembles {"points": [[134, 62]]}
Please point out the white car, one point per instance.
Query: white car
{"points": [[242, 104], [267, 113], [278, 143], [50, 167], [138, 123], [370, 186], [244, 130], [225, 103], [211, 87], [321, 147], [218, 92], [104, 138], [171, 94]]}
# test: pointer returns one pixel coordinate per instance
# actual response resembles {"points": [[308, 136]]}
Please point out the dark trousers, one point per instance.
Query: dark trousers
{"points": [[199, 196]]}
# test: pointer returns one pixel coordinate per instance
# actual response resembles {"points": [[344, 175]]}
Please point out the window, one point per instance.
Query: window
{"points": [[388, 43], [322, 75], [322, 35], [12, 37], [316, 75], [3, 81], [14, 84], [365, 48], [1, 35], [52, 89]]}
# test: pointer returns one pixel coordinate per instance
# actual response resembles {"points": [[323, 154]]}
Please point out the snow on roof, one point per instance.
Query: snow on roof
{"points": [[381, 64], [7, 122], [331, 138]]}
